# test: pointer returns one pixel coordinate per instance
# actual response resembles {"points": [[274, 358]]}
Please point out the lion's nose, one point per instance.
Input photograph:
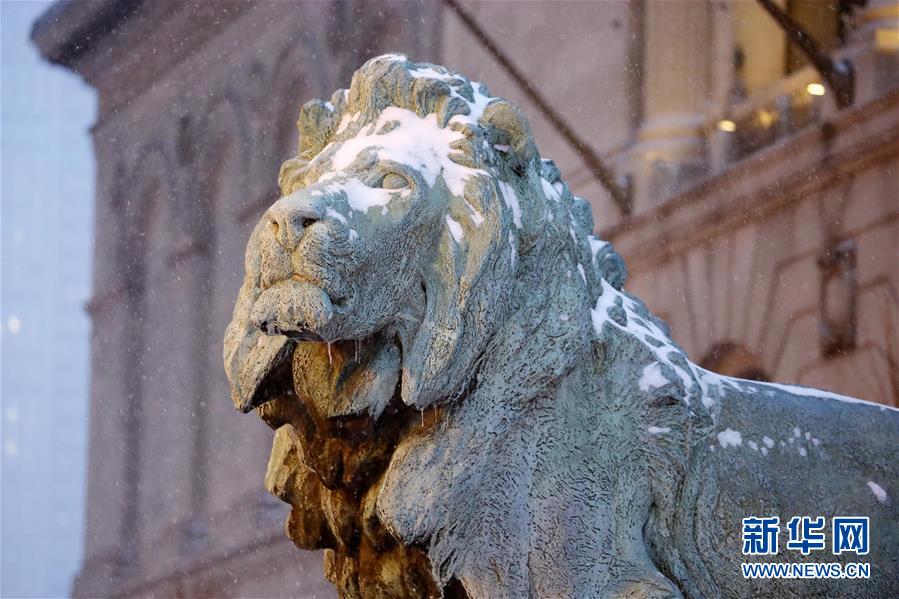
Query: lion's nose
{"points": [[289, 218]]}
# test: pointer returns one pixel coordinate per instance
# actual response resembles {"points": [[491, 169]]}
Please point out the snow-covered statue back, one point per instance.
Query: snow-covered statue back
{"points": [[467, 402]]}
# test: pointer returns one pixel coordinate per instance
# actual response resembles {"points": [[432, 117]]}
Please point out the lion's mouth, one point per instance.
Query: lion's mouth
{"points": [[344, 369], [297, 315], [312, 305], [297, 309], [272, 328]]}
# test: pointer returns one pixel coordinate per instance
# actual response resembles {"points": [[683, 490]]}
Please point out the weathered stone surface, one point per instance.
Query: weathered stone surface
{"points": [[289, 479], [543, 434]]}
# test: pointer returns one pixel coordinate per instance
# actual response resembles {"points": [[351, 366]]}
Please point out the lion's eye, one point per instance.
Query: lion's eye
{"points": [[394, 181]]}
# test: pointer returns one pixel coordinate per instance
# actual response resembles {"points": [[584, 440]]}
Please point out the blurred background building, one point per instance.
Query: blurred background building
{"points": [[756, 205]]}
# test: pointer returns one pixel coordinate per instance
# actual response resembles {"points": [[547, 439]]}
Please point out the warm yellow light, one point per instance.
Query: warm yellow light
{"points": [[887, 39], [766, 117], [815, 89], [726, 125]]}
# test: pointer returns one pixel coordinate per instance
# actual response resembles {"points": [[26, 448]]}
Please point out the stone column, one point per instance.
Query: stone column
{"points": [[671, 147], [874, 49], [876, 15]]}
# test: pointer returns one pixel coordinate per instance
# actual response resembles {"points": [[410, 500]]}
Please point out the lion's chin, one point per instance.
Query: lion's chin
{"points": [[347, 378]]}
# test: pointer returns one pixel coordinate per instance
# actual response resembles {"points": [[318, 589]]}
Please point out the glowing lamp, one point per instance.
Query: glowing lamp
{"points": [[727, 125], [815, 89]]}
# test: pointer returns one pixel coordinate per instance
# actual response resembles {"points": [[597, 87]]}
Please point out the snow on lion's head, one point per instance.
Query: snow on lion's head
{"points": [[412, 202]]}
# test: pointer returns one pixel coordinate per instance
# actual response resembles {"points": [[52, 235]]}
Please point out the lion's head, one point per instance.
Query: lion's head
{"points": [[406, 212], [423, 255]]}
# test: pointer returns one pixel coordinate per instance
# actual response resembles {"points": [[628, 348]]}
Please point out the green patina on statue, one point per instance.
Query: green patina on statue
{"points": [[467, 402]]}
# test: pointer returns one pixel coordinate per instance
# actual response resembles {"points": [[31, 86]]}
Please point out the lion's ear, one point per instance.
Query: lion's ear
{"points": [[291, 175], [317, 121], [509, 133], [507, 127]]}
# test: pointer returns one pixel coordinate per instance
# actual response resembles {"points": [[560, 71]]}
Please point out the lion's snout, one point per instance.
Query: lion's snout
{"points": [[290, 217], [303, 237]]}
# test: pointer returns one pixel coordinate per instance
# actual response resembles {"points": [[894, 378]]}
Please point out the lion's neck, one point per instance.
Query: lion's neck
{"points": [[523, 485]]}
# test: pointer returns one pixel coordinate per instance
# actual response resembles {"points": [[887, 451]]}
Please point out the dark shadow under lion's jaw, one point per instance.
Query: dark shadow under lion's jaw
{"points": [[338, 418]]}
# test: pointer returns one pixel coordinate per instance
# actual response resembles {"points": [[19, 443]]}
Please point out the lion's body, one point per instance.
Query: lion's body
{"points": [[824, 457], [566, 445]]}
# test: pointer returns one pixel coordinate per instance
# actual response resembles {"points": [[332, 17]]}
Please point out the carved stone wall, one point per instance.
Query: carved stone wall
{"points": [[788, 255]]}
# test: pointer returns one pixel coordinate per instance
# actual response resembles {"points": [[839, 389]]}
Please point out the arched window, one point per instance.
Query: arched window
{"points": [[734, 360]]}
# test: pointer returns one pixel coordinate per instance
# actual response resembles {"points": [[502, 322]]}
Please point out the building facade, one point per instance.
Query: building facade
{"points": [[763, 221]]}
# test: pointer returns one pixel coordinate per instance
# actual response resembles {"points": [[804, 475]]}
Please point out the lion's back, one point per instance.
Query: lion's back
{"points": [[775, 453]]}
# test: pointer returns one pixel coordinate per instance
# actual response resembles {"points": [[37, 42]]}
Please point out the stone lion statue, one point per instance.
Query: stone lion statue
{"points": [[466, 402]]}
